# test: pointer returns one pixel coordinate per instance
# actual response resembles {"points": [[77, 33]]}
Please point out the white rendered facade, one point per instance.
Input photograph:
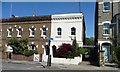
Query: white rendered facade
{"points": [[66, 22]]}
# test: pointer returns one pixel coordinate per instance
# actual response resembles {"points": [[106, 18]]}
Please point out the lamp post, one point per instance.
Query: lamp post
{"points": [[49, 56]]}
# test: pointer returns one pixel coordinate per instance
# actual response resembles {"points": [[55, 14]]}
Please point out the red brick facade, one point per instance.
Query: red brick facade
{"points": [[26, 23]]}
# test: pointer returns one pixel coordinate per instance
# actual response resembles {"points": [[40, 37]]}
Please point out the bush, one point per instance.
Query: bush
{"points": [[64, 51], [19, 46], [80, 50], [30, 52], [117, 52]]}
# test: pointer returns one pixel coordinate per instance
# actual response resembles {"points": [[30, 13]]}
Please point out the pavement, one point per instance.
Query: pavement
{"points": [[83, 66]]}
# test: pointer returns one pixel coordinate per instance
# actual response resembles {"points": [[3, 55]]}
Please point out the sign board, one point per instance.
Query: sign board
{"points": [[50, 38], [36, 58], [9, 49]]}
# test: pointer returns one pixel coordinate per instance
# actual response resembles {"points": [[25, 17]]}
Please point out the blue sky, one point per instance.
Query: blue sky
{"points": [[47, 8]]}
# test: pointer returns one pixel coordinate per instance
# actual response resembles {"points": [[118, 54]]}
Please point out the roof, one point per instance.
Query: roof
{"points": [[27, 18]]}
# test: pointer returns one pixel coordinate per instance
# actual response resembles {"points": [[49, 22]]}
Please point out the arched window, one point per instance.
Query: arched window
{"points": [[9, 30], [106, 28], [44, 31], [32, 31], [59, 31], [19, 31], [73, 31]]}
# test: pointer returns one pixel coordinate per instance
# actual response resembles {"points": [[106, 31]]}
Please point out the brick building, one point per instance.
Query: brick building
{"points": [[107, 26]]}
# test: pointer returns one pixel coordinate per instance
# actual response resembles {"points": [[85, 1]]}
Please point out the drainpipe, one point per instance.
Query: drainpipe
{"points": [[117, 28]]}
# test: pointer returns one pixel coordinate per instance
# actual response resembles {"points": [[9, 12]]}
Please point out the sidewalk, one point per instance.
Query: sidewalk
{"points": [[82, 66]]}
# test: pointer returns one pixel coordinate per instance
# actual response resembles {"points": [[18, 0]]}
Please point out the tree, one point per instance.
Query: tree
{"points": [[89, 41], [19, 46], [75, 46]]}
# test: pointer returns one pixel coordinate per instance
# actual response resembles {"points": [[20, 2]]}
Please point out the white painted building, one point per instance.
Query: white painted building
{"points": [[66, 27]]}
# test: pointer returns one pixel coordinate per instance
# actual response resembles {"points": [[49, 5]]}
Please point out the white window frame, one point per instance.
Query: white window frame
{"points": [[42, 35], [19, 31], [72, 36], [106, 6], [31, 35], [9, 32], [105, 28], [73, 31], [57, 32]]}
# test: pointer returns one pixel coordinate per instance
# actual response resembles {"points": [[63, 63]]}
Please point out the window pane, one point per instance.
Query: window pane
{"points": [[106, 26], [106, 6], [33, 31], [106, 31], [59, 30], [106, 3], [73, 31], [10, 31], [44, 31]]}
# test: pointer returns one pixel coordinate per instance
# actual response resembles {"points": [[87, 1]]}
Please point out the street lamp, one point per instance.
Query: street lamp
{"points": [[48, 50]]}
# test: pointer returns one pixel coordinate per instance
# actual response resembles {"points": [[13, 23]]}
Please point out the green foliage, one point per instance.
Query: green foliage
{"points": [[114, 58], [30, 52], [69, 54], [19, 46], [75, 46], [80, 50], [89, 41], [117, 52]]}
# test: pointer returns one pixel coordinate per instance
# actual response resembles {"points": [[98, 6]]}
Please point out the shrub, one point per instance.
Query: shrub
{"points": [[64, 51], [75, 46], [30, 52], [19, 46], [80, 50], [117, 52]]}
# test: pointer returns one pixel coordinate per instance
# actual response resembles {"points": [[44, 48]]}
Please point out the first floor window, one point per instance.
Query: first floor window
{"points": [[106, 28], [19, 31], [73, 31], [59, 30], [32, 31], [9, 32], [44, 31]]}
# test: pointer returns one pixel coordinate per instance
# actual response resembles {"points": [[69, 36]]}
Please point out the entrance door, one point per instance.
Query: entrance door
{"points": [[106, 50]]}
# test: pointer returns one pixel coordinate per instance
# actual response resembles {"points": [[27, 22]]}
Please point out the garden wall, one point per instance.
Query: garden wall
{"points": [[75, 61], [19, 57]]}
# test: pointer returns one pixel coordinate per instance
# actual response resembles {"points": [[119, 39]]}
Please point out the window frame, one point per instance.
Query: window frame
{"points": [[106, 28], [19, 31], [59, 31], [9, 31], [32, 35], [106, 6], [73, 31]]}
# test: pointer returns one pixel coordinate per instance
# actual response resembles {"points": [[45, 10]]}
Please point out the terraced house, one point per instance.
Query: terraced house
{"points": [[62, 28], [107, 26]]}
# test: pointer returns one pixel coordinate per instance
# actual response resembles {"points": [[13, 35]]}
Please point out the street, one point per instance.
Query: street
{"points": [[21, 66], [30, 65]]}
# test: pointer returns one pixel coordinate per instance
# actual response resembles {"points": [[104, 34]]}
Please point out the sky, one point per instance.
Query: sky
{"points": [[22, 9]]}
